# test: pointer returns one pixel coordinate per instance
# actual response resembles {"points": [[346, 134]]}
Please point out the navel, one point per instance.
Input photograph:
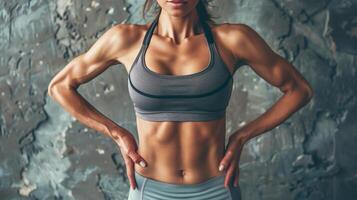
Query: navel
{"points": [[182, 172]]}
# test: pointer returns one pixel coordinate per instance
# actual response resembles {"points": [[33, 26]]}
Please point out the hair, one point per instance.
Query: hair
{"points": [[201, 7]]}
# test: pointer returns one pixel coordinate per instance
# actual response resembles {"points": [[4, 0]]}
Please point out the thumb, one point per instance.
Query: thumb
{"points": [[137, 158]]}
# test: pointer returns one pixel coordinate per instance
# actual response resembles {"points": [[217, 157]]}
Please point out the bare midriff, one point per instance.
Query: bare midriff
{"points": [[181, 152]]}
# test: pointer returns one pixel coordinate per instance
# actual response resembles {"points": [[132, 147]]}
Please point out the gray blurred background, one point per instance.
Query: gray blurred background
{"points": [[46, 154]]}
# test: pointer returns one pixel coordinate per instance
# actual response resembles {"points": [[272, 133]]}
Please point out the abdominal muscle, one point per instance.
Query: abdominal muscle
{"points": [[181, 152]]}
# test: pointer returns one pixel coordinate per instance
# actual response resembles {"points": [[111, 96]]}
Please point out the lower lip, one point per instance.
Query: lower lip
{"points": [[177, 5]]}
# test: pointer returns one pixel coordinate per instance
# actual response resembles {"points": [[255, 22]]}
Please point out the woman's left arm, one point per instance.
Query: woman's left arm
{"points": [[248, 46]]}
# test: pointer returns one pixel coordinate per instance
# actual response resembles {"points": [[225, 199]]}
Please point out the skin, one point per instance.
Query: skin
{"points": [[180, 152]]}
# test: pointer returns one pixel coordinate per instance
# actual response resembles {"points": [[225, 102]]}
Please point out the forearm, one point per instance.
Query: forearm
{"points": [[289, 103], [84, 112]]}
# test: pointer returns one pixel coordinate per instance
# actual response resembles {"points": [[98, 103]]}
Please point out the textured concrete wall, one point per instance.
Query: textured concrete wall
{"points": [[46, 154]]}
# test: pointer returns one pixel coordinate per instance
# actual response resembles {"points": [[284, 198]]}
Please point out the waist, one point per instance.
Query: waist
{"points": [[182, 154]]}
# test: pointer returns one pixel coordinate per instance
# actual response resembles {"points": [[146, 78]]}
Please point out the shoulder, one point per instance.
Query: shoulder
{"points": [[117, 41], [124, 35], [240, 39], [235, 34]]}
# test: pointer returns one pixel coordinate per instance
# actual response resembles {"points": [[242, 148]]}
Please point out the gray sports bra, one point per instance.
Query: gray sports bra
{"points": [[201, 96]]}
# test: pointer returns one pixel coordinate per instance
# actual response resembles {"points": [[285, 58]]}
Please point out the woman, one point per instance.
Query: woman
{"points": [[180, 79]]}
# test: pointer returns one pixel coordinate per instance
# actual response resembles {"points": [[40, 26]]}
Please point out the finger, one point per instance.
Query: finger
{"points": [[137, 158], [230, 173], [237, 171], [226, 160], [236, 177], [130, 172]]}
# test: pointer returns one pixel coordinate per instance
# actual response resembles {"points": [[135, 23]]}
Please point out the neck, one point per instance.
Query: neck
{"points": [[177, 29]]}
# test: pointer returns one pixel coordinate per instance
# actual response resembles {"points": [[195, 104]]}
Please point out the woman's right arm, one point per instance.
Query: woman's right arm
{"points": [[109, 49], [106, 51]]}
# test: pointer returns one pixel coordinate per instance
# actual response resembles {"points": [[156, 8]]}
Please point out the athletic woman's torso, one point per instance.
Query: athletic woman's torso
{"points": [[184, 152]]}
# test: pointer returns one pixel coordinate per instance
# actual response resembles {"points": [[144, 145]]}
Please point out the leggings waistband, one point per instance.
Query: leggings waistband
{"points": [[211, 189], [155, 184]]}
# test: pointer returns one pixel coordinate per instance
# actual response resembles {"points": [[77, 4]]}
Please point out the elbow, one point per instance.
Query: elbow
{"points": [[50, 89], [308, 92], [59, 85], [54, 88], [57, 89]]}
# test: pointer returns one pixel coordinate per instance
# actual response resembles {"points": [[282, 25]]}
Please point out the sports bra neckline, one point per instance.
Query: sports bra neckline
{"points": [[209, 42]]}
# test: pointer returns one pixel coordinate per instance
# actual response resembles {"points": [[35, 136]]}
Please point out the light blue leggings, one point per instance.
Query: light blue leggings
{"points": [[212, 189]]}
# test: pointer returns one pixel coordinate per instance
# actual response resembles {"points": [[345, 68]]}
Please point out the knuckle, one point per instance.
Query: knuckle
{"points": [[132, 154], [135, 158]]}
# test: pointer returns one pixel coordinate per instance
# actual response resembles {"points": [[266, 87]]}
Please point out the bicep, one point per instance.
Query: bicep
{"points": [[270, 66], [83, 68]]}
